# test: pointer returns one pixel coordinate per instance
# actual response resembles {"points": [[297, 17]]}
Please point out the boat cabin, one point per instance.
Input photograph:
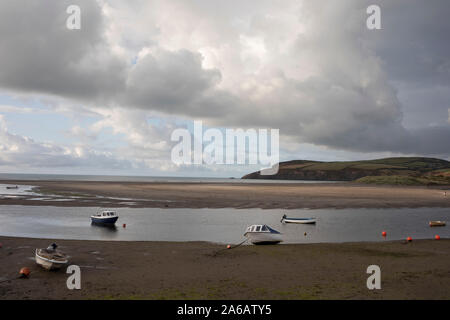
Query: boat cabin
{"points": [[106, 213], [260, 228]]}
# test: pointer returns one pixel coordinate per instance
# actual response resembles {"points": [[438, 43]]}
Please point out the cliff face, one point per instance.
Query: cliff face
{"points": [[323, 175], [352, 170]]}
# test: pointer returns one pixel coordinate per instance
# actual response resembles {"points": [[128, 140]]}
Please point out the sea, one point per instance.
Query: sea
{"points": [[68, 177]]}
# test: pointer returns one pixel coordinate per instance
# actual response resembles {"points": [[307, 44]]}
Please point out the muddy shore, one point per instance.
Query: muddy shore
{"points": [[200, 270]]}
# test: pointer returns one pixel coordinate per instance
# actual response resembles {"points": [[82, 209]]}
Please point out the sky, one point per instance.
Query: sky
{"points": [[106, 98]]}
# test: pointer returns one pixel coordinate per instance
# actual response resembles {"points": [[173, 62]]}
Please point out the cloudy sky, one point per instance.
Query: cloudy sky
{"points": [[105, 99]]}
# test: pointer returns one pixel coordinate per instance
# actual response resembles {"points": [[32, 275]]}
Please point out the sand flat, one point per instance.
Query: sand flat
{"points": [[239, 195]]}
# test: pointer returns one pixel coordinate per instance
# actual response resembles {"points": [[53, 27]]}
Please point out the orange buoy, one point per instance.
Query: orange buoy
{"points": [[437, 237], [124, 225], [384, 233], [228, 247], [24, 272], [409, 239]]}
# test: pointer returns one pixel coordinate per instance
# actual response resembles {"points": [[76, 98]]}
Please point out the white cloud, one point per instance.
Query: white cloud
{"points": [[16, 150], [310, 69], [15, 109]]}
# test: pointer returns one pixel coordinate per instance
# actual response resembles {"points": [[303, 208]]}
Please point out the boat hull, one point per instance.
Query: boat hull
{"points": [[49, 264], [264, 237], [437, 223], [299, 221], [107, 221]]}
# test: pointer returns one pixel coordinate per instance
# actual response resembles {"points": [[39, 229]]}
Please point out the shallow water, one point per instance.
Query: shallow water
{"points": [[20, 191], [69, 177], [221, 225]]}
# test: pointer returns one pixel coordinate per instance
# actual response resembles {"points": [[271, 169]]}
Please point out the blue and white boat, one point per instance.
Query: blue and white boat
{"points": [[262, 234], [107, 217], [285, 219]]}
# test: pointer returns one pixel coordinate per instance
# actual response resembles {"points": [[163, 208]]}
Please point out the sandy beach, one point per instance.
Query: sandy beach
{"points": [[200, 270], [233, 195], [203, 270]]}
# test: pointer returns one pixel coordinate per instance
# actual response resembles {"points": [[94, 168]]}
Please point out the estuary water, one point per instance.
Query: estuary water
{"points": [[105, 178], [221, 225]]}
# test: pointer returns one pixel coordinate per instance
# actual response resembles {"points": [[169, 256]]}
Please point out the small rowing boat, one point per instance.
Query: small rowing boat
{"points": [[437, 223], [50, 258], [262, 234], [285, 219]]}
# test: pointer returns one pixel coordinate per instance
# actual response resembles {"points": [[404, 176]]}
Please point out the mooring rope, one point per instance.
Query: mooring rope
{"points": [[230, 247]]}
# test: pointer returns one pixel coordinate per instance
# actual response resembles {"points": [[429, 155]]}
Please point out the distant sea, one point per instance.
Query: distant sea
{"points": [[73, 177]]}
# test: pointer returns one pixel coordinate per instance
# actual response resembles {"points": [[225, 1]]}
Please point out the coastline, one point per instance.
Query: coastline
{"points": [[205, 270], [202, 270], [230, 195]]}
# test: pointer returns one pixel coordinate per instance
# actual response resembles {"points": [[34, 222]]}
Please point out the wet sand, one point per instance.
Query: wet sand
{"points": [[200, 270], [233, 195]]}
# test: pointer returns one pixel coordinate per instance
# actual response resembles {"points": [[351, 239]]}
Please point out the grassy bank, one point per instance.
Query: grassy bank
{"points": [[409, 171], [428, 180]]}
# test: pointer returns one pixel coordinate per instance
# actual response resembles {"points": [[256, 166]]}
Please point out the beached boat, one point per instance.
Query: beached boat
{"points": [[437, 223], [285, 219], [106, 217], [262, 234], [50, 258]]}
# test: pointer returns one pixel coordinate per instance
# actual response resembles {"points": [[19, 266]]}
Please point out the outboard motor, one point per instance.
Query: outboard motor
{"points": [[52, 247]]}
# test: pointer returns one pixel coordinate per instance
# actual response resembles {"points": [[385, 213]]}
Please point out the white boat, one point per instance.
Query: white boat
{"points": [[437, 223], [106, 217], [50, 258], [262, 234], [285, 219]]}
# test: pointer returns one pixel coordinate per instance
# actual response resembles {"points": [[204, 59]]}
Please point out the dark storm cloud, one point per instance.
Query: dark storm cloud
{"points": [[327, 81], [414, 41], [172, 82], [39, 54]]}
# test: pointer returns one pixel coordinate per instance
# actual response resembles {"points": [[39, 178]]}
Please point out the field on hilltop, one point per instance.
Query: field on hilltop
{"points": [[401, 170]]}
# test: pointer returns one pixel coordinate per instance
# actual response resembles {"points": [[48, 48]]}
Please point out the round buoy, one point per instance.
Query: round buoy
{"points": [[24, 272], [384, 233], [437, 237], [124, 225], [228, 247], [409, 239], [305, 234]]}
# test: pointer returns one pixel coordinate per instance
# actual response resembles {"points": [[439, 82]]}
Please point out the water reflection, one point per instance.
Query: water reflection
{"points": [[222, 225], [104, 230], [104, 226]]}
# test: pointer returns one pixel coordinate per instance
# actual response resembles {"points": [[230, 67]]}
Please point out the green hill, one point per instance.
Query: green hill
{"points": [[402, 170]]}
